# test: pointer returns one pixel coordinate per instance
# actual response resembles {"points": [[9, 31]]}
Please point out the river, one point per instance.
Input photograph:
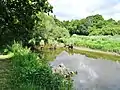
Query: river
{"points": [[93, 74]]}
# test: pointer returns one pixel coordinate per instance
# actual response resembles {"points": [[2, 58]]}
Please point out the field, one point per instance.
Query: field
{"points": [[104, 43]]}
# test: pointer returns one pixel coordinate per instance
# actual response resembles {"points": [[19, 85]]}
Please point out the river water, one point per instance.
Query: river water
{"points": [[93, 74]]}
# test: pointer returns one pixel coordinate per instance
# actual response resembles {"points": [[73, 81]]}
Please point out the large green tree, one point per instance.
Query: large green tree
{"points": [[18, 17], [47, 28]]}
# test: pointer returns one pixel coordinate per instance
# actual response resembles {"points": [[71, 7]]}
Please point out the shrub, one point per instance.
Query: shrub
{"points": [[29, 72]]}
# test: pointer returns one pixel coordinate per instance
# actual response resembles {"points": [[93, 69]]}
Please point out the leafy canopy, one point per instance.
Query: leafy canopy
{"points": [[18, 17]]}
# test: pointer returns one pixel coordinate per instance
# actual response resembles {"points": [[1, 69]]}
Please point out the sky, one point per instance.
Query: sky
{"points": [[77, 9]]}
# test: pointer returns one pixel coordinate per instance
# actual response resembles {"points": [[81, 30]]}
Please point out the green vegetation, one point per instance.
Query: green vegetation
{"points": [[46, 29], [98, 55], [93, 25], [18, 18], [29, 22], [93, 32], [29, 72], [105, 43]]}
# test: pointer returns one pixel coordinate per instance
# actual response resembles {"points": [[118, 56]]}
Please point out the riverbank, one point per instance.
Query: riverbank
{"points": [[52, 54], [97, 51], [93, 53], [91, 50], [103, 43], [96, 54]]}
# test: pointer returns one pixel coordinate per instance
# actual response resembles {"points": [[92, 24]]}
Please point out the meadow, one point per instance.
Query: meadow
{"points": [[104, 43]]}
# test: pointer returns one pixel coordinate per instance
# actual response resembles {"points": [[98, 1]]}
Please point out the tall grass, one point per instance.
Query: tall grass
{"points": [[105, 43], [29, 72]]}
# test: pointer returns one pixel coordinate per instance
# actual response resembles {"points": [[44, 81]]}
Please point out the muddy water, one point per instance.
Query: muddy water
{"points": [[93, 74]]}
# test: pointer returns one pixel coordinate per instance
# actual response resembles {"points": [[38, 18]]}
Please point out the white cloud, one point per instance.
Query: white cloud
{"points": [[76, 9]]}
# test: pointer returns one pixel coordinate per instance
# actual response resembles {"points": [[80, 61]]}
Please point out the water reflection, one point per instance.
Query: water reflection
{"points": [[93, 74]]}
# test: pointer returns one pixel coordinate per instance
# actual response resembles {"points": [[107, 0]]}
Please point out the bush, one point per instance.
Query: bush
{"points": [[29, 72]]}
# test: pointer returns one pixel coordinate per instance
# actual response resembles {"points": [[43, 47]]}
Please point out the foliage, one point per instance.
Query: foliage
{"points": [[81, 27], [18, 17], [106, 30], [106, 43], [29, 72], [93, 25], [48, 29], [58, 22]]}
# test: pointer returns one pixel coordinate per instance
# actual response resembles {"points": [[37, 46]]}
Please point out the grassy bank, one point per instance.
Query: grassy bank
{"points": [[98, 55], [105, 43], [29, 72]]}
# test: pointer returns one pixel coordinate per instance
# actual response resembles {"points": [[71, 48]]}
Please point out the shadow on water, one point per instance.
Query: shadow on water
{"points": [[93, 74]]}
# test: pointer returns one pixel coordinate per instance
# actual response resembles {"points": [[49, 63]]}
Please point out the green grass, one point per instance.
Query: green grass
{"points": [[104, 43]]}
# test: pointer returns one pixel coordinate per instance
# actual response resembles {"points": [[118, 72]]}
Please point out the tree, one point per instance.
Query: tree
{"points": [[93, 25], [81, 27], [47, 28], [18, 17]]}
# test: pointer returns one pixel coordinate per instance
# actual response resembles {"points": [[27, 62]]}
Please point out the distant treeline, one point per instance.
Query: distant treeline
{"points": [[91, 25]]}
